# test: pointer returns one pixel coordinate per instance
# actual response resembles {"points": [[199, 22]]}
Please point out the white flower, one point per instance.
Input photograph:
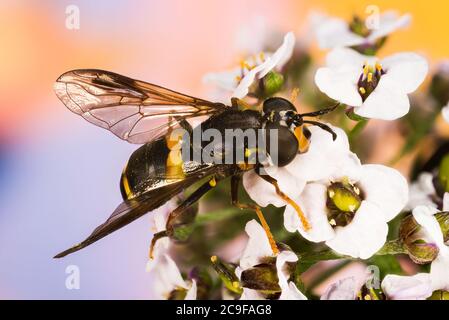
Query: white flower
{"points": [[375, 88], [165, 274], [158, 222], [334, 32], [344, 289], [258, 249], [417, 287], [167, 278], [372, 196], [421, 192], [439, 269], [239, 80], [313, 165], [256, 35], [445, 113]]}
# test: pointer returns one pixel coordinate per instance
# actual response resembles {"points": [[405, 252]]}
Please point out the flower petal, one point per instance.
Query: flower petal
{"points": [[364, 236], [283, 274], [385, 187], [344, 289], [292, 293], [315, 165], [386, 102], [191, 293], [446, 201], [243, 86], [313, 204], [340, 84], [439, 273], [263, 192], [167, 276], [445, 113], [420, 192], [424, 215], [333, 32], [257, 247], [344, 57], [388, 23], [226, 80], [417, 287], [280, 57], [407, 70]]}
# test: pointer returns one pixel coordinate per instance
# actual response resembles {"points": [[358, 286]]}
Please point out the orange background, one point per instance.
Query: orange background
{"points": [[168, 42], [59, 174]]}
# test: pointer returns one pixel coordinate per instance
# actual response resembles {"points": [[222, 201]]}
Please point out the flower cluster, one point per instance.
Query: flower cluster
{"points": [[337, 201]]}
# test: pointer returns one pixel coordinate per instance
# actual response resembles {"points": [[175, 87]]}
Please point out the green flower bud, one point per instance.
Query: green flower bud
{"points": [[443, 220], [177, 294], [415, 243], [439, 295], [226, 272], [443, 173], [343, 200], [271, 83], [263, 278]]}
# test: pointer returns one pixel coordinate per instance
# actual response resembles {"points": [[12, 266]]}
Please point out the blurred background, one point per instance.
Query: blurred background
{"points": [[59, 174]]}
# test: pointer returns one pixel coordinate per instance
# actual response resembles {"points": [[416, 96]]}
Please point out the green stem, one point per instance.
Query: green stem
{"points": [[392, 247], [357, 129]]}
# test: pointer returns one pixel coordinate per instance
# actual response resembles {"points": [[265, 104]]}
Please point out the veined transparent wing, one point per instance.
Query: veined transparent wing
{"points": [[133, 110]]}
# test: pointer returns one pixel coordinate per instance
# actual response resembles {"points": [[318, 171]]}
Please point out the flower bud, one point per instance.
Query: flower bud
{"points": [[271, 83], [415, 242], [439, 295], [177, 294], [443, 220], [263, 278], [443, 173], [226, 272]]}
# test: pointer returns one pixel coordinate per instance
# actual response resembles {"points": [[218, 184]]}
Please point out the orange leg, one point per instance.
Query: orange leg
{"points": [[235, 181], [283, 196]]}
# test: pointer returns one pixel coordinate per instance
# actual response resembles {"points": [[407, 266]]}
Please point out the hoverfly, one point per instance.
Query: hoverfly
{"points": [[144, 113]]}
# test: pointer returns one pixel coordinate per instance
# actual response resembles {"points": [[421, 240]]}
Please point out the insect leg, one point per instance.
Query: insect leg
{"points": [[181, 209], [235, 182], [287, 199]]}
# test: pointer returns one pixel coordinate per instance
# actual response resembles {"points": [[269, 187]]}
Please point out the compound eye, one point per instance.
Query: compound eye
{"points": [[285, 146], [277, 104]]}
